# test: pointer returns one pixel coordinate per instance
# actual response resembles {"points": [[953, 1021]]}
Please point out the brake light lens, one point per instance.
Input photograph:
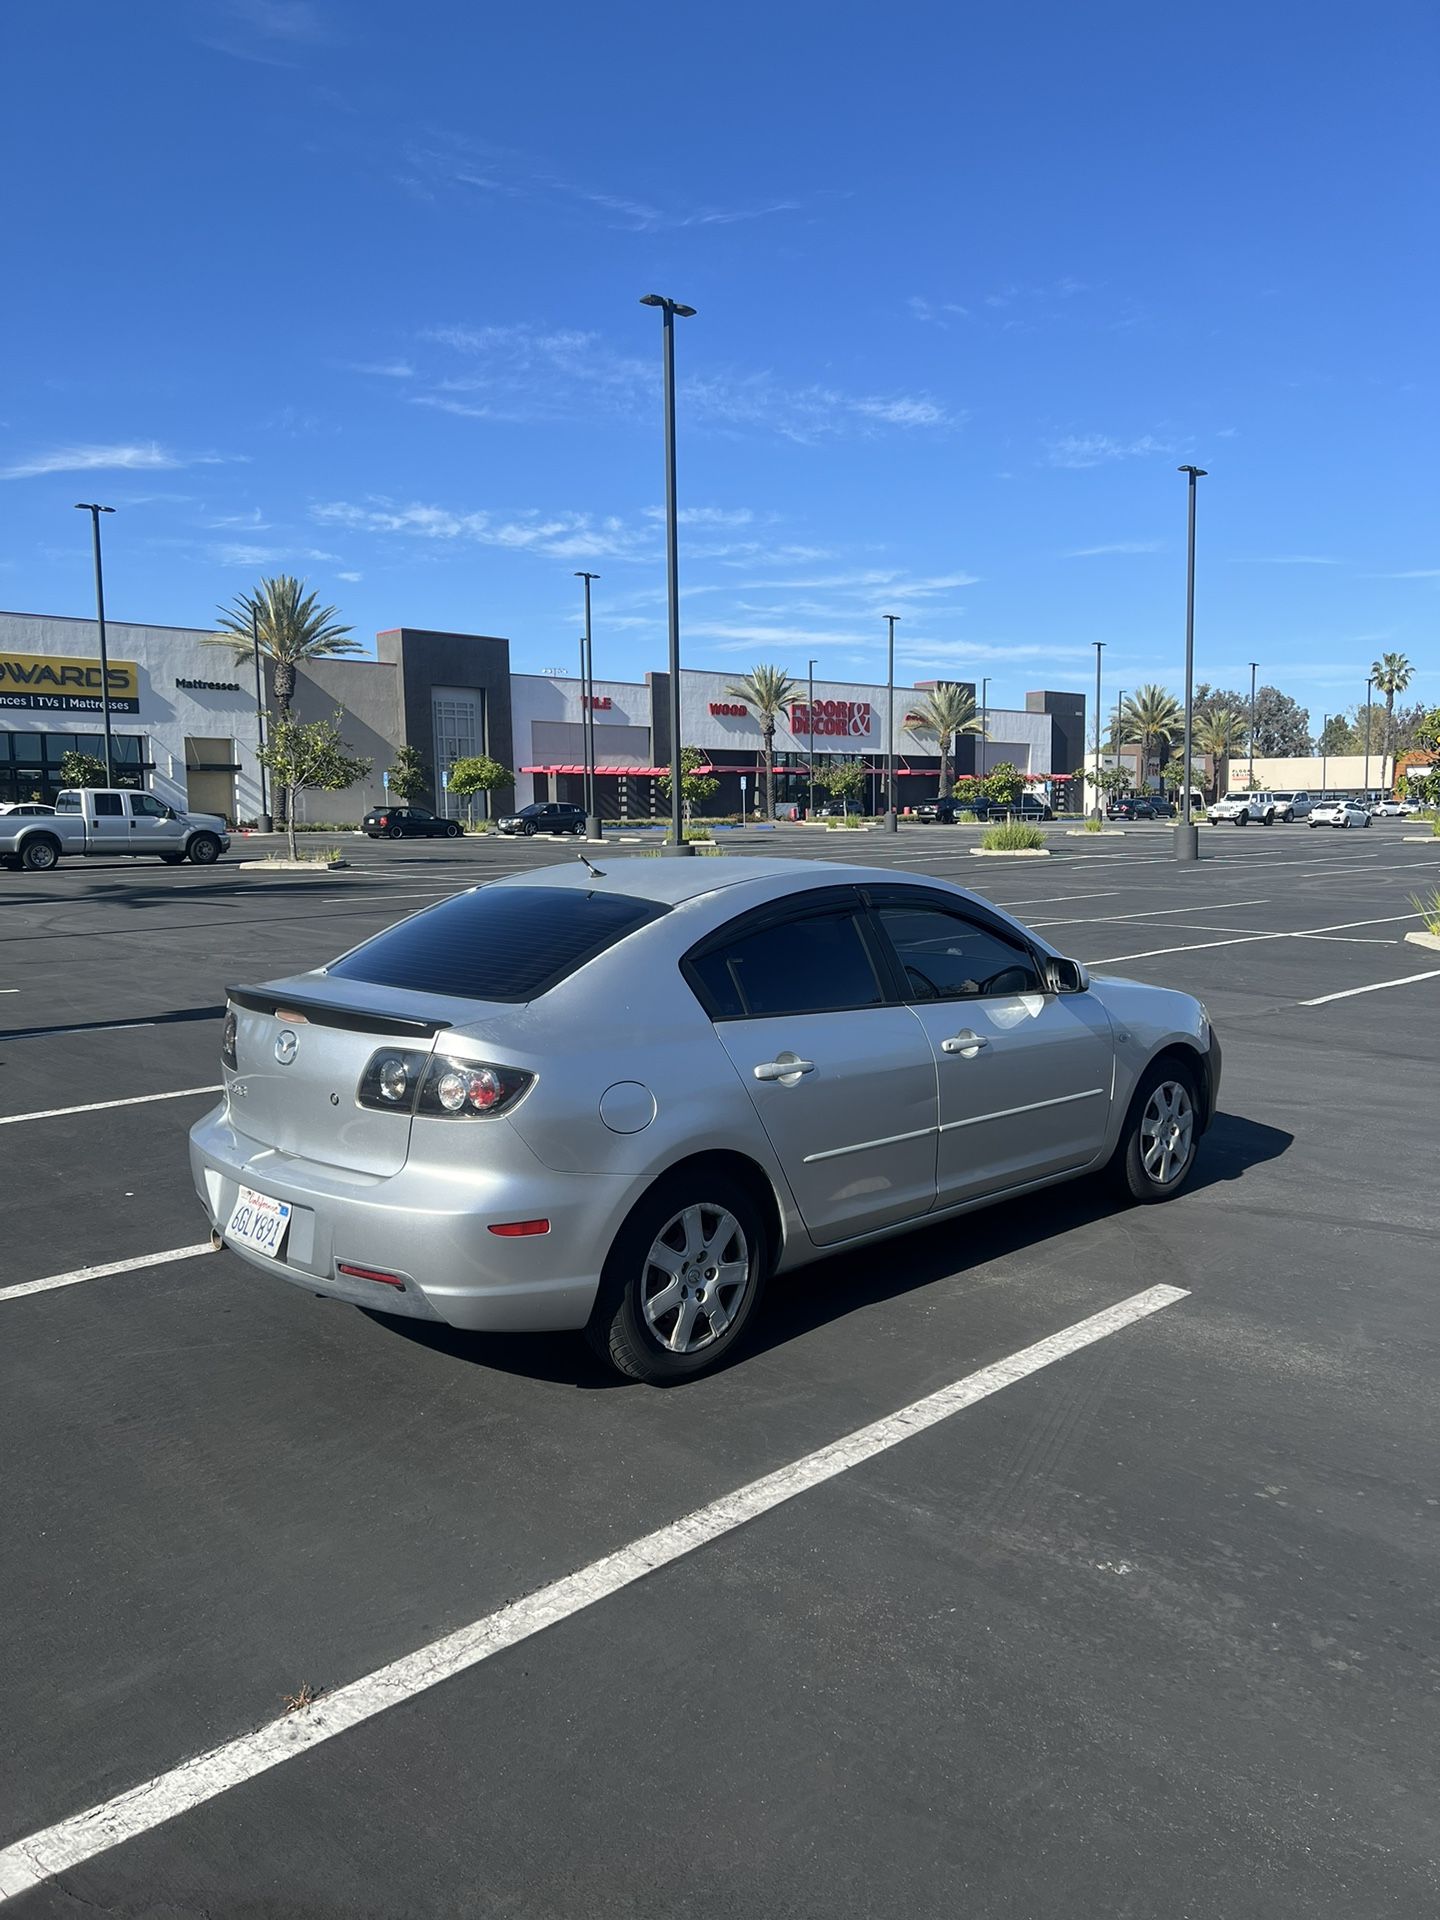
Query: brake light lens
{"points": [[227, 1041], [384, 820], [399, 1080]]}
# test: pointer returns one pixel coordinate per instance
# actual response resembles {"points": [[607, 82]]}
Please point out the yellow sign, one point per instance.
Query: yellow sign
{"points": [[66, 685]]}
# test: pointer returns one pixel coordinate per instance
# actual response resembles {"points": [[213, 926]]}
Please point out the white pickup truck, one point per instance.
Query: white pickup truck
{"points": [[105, 822]]}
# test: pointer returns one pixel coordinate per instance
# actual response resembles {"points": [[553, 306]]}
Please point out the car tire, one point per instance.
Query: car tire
{"points": [[1269, 819], [172, 859], [529, 829], [452, 832], [39, 856], [371, 836], [204, 850], [1287, 817], [629, 1330], [579, 827], [1242, 819], [395, 833], [1147, 1169]]}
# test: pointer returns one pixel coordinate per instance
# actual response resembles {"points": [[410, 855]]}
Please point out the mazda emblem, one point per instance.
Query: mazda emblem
{"points": [[286, 1047]]}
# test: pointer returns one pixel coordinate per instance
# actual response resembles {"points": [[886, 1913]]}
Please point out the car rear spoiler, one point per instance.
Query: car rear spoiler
{"points": [[303, 1011]]}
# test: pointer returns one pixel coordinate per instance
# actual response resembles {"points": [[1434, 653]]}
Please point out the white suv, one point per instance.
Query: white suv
{"points": [[1241, 808]]}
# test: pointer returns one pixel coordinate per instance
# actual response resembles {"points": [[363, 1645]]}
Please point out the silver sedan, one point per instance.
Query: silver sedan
{"points": [[620, 1100]]}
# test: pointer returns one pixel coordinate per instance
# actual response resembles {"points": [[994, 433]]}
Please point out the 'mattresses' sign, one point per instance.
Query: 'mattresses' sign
{"points": [[66, 686]]}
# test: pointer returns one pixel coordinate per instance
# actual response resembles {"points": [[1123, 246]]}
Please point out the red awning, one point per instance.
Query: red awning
{"points": [[638, 773]]}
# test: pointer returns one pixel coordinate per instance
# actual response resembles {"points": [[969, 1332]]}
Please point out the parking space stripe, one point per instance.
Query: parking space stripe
{"points": [[1377, 986], [102, 1106], [1245, 939], [38, 1858], [80, 1274]]}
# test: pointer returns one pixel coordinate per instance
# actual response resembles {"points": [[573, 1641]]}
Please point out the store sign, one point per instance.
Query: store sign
{"points": [[210, 686], [599, 702], [728, 709], [67, 686], [852, 718]]}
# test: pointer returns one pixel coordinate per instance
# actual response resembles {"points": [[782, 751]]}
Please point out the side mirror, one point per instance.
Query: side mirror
{"points": [[170, 814], [1069, 976]]}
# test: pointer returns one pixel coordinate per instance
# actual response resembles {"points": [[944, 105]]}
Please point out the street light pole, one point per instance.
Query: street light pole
{"points": [[669, 309], [1098, 808], [1369, 684], [984, 722], [587, 718], [1250, 776], [892, 817], [810, 710], [266, 823], [95, 510], [1324, 725], [1187, 834]]}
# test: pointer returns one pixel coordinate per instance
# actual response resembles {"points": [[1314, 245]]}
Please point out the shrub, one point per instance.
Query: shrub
{"points": [[1092, 825], [966, 817], [1013, 837], [1429, 910]]}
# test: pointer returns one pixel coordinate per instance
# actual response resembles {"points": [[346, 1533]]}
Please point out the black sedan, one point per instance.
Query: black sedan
{"points": [[1148, 806], [544, 816], [394, 823]]}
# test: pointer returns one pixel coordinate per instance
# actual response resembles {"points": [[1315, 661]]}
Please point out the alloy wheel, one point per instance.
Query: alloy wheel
{"points": [[696, 1277], [1167, 1132]]}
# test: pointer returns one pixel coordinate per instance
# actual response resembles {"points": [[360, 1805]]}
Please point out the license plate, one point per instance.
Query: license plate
{"points": [[258, 1222]]}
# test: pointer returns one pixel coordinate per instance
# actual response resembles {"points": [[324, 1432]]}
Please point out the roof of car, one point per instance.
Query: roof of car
{"points": [[672, 881]]}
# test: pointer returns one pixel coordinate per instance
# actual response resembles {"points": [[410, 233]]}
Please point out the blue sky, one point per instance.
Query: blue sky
{"points": [[351, 290]]}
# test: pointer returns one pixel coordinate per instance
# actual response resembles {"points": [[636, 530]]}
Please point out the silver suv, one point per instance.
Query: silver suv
{"points": [[1293, 806]]}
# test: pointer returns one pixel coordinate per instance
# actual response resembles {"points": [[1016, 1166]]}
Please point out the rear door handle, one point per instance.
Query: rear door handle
{"points": [[787, 1067], [964, 1043]]}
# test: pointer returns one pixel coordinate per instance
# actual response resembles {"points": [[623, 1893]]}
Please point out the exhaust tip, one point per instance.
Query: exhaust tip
{"points": [[216, 1243]]}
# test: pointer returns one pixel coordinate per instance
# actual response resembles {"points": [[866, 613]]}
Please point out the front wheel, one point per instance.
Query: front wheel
{"points": [[1157, 1149], [681, 1280], [1242, 819], [204, 850], [452, 832], [529, 829], [172, 859]]}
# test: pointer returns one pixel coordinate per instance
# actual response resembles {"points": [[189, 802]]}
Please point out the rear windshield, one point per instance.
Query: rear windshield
{"points": [[498, 943]]}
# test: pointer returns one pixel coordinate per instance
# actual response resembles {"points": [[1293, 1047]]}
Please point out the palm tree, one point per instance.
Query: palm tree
{"points": [[765, 690], [291, 627], [1392, 674], [1151, 718], [1219, 733], [945, 711]]}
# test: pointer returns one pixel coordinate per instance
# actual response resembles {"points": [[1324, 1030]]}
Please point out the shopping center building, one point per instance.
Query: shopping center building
{"points": [[184, 723]]}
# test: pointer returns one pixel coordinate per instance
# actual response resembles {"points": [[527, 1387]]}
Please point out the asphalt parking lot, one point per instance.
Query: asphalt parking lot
{"points": [[1144, 1625]]}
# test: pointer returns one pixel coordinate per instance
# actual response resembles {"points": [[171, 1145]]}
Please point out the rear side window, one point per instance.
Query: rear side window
{"points": [[67, 803], [107, 804], [814, 964], [498, 943]]}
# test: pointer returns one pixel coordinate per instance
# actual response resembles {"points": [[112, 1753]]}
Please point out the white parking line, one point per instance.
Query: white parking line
{"points": [[74, 1279], [1378, 987], [30, 1862], [100, 1106], [1150, 913], [1299, 933]]}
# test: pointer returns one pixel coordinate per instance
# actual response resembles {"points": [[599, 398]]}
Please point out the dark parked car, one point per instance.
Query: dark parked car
{"points": [[393, 823], [544, 816], [1137, 806], [945, 812]]}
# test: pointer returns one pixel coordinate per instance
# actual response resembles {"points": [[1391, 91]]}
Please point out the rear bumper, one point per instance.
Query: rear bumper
{"points": [[430, 1227]]}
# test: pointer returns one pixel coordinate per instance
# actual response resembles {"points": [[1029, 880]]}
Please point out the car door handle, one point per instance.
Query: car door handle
{"points": [[966, 1042], [787, 1067]]}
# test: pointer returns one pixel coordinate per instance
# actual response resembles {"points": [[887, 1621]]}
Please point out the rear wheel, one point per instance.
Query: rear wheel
{"points": [[579, 827], [204, 849], [396, 833], [39, 856], [452, 832], [1162, 1132], [681, 1280]]}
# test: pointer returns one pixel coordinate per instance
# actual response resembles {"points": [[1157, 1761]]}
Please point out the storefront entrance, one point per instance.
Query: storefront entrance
{"points": [[30, 762]]}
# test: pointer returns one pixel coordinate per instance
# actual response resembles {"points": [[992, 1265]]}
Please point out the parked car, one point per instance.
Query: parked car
{"points": [[544, 816], [395, 823], [620, 1100], [30, 809], [945, 811], [1241, 808], [1391, 810], [1293, 806], [105, 822], [1340, 813], [1140, 806]]}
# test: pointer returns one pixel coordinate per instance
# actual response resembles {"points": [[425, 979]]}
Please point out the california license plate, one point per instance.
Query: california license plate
{"points": [[258, 1222]]}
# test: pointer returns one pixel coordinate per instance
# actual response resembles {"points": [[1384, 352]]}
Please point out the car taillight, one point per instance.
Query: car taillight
{"points": [[227, 1041], [398, 1080], [384, 820]]}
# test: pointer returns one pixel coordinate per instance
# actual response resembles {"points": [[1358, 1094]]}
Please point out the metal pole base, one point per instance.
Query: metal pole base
{"points": [[592, 827], [1187, 841], [671, 851], [892, 821], [267, 825]]}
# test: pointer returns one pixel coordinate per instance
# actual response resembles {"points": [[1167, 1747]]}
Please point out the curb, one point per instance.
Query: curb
{"points": [[1084, 833], [1430, 940], [291, 866], [1421, 839], [1009, 853]]}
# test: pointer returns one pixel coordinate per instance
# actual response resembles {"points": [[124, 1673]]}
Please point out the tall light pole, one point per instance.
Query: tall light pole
{"points": [[1369, 684], [266, 823], [1250, 776], [810, 710], [1324, 728], [669, 309], [984, 722], [1187, 834], [95, 510], [587, 699], [892, 817], [1098, 809]]}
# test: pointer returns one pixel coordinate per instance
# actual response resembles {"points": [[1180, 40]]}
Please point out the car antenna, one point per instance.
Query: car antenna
{"points": [[599, 872]]}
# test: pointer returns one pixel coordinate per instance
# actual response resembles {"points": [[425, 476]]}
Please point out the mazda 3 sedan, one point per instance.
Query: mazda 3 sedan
{"points": [[619, 1099]]}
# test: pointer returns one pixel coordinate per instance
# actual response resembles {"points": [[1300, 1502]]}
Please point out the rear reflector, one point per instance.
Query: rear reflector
{"points": [[521, 1229], [370, 1273]]}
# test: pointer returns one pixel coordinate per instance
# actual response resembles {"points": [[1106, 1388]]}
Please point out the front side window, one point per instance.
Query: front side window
{"points": [[147, 806], [947, 956], [814, 963]]}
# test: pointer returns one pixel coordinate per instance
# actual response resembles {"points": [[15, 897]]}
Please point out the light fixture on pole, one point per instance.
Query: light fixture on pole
{"points": [[95, 510], [1369, 684], [810, 711], [1250, 776], [266, 823], [1097, 810], [1187, 834], [669, 310], [892, 816], [984, 722], [587, 704]]}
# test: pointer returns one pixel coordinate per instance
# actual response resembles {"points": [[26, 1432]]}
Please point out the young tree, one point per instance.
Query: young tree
{"points": [[478, 774], [766, 691], [843, 780], [945, 711], [408, 778], [1427, 739], [1221, 734], [695, 787], [1392, 674], [1003, 784], [308, 756], [81, 770]]}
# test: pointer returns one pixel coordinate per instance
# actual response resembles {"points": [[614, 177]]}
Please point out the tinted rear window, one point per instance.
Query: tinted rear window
{"points": [[500, 943]]}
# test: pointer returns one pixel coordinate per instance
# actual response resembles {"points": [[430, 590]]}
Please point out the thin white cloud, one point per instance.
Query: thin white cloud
{"points": [[1078, 450], [237, 553], [350, 576], [1116, 546], [563, 536], [384, 369], [935, 313], [146, 456], [1283, 560], [252, 522], [706, 516], [1410, 573]]}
